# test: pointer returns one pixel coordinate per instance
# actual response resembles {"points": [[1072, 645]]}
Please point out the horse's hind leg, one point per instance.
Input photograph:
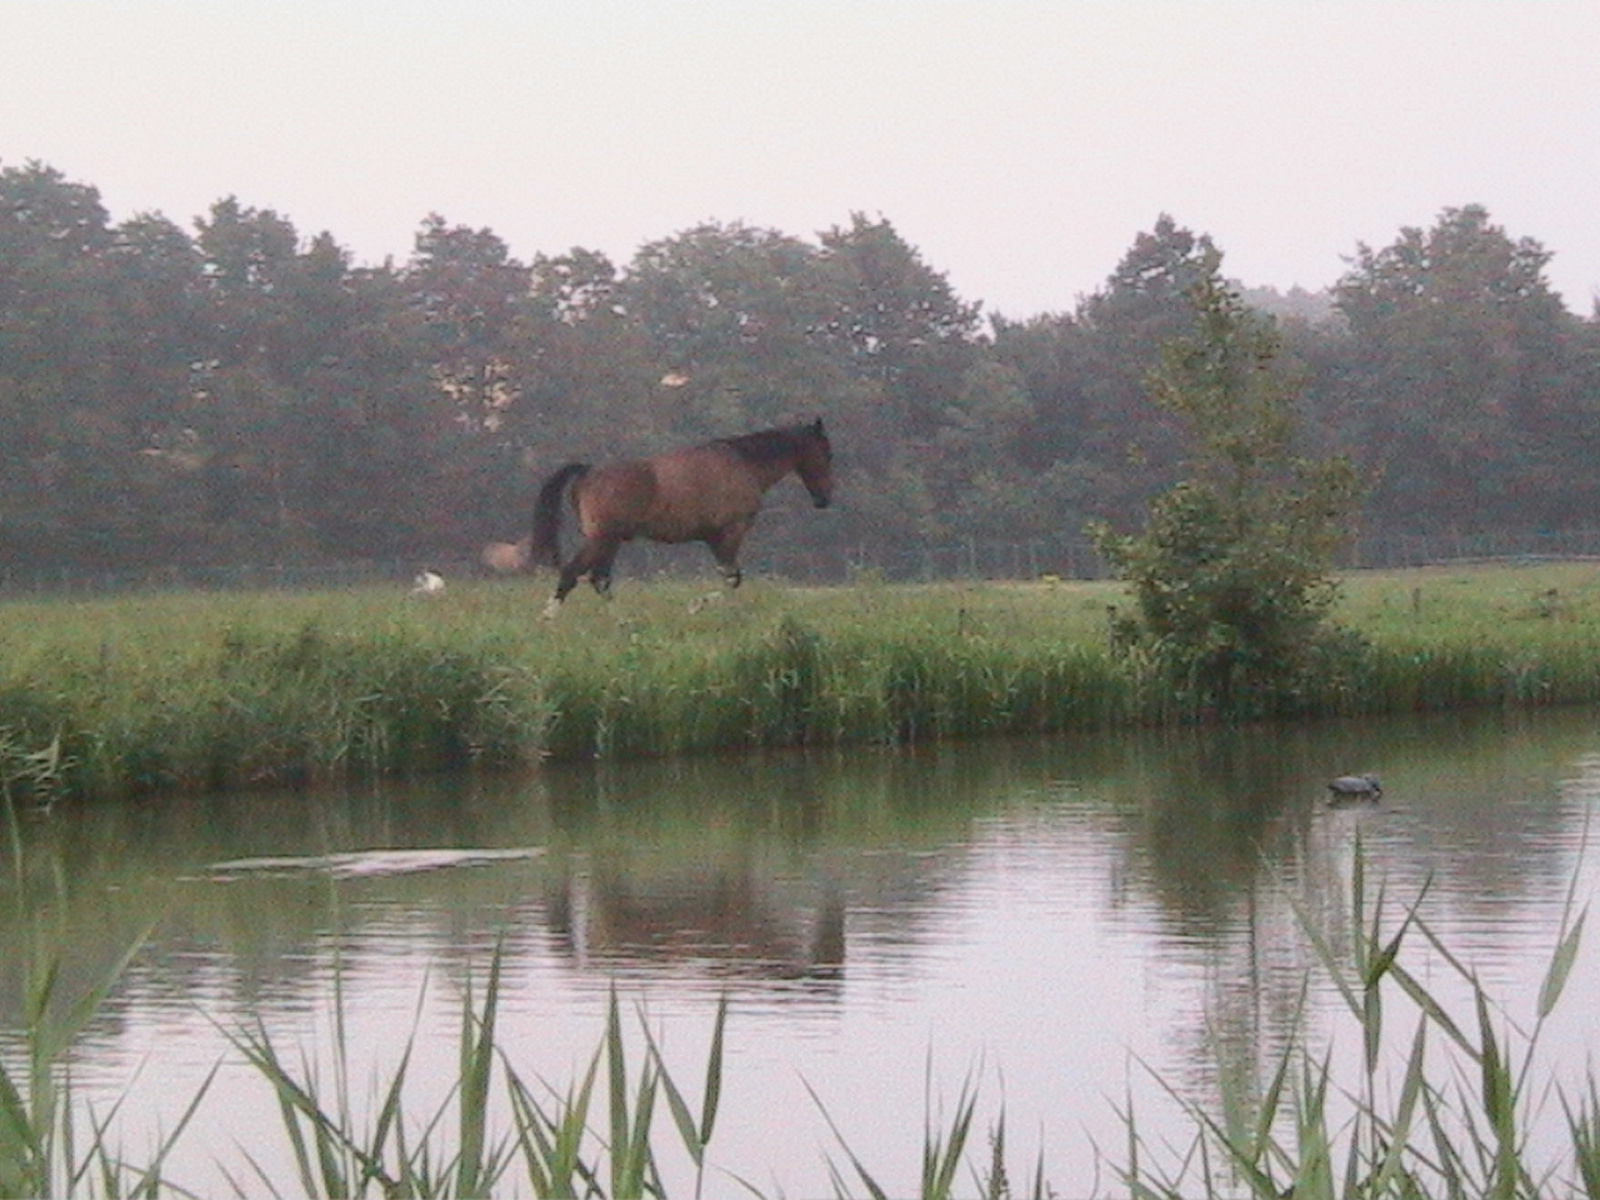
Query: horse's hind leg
{"points": [[570, 574], [593, 559], [568, 581]]}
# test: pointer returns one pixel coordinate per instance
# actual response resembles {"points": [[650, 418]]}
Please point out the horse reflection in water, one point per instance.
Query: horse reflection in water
{"points": [[726, 919], [709, 493]]}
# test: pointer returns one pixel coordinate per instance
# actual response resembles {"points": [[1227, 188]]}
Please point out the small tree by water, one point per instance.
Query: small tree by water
{"points": [[1231, 576]]}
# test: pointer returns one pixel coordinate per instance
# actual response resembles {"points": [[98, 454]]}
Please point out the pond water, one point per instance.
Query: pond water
{"points": [[1043, 918]]}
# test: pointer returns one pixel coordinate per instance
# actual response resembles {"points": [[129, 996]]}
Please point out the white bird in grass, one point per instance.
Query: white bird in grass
{"points": [[427, 583]]}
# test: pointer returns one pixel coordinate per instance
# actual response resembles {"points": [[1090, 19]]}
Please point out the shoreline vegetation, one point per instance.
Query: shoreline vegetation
{"points": [[193, 692]]}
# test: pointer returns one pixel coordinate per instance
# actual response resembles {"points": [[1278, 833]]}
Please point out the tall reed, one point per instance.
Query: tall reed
{"points": [[51, 1142], [459, 1149], [1457, 1124]]}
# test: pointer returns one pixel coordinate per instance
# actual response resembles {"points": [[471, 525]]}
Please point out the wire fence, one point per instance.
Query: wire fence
{"points": [[973, 559], [1077, 557]]}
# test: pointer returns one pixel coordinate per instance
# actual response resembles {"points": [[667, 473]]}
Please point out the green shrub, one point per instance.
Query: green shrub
{"points": [[1232, 576]]}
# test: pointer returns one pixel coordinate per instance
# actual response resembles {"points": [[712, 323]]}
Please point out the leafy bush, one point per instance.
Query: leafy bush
{"points": [[1232, 574]]}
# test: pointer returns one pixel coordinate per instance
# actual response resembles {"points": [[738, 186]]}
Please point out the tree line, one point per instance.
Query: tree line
{"points": [[235, 392]]}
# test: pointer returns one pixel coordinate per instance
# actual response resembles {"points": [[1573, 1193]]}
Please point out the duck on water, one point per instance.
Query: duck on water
{"points": [[1354, 787]]}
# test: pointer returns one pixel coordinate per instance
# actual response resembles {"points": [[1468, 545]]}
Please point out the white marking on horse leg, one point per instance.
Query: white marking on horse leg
{"points": [[551, 608]]}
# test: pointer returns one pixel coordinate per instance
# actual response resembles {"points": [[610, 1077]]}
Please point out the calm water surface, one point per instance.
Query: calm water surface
{"points": [[1042, 917]]}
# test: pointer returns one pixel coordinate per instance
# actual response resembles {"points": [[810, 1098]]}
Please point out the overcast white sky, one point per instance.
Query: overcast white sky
{"points": [[1019, 146]]}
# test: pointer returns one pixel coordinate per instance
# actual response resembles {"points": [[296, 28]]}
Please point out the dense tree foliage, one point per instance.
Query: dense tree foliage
{"points": [[1457, 324], [239, 392], [1232, 575]]}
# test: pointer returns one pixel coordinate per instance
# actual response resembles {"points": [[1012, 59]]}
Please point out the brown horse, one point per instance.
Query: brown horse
{"points": [[708, 493]]}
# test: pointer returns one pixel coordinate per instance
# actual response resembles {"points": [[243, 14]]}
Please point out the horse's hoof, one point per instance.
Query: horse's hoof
{"points": [[551, 608]]}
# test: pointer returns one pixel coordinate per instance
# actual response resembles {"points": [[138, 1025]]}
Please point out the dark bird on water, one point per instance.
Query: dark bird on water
{"points": [[1355, 787]]}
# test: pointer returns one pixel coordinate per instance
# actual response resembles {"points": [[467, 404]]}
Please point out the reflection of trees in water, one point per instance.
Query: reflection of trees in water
{"points": [[773, 872], [1236, 832], [741, 869], [1209, 817], [99, 879]]}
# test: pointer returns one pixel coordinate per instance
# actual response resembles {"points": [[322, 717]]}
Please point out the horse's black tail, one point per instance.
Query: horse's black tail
{"points": [[546, 546]]}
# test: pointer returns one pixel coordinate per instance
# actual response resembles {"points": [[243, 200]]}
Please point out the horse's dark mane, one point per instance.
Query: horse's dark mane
{"points": [[767, 445]]}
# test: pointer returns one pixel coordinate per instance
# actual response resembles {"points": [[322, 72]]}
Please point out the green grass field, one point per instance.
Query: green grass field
{"points": [[193, 691]]}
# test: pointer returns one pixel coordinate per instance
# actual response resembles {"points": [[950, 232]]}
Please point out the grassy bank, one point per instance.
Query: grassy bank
{"points": [[200, 691]]}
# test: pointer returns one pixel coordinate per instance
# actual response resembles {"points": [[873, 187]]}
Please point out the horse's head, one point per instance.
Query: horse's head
{"points": [[814, 462]]}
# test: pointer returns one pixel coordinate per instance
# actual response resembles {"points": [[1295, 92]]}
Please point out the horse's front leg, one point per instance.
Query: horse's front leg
{"points": [[600, 572]]}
